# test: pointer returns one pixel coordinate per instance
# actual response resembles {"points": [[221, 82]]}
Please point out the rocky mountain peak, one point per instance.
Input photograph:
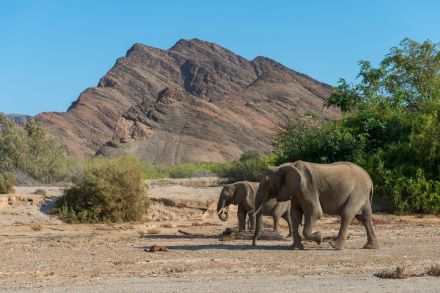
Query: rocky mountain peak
{"points": [[196, 101]]}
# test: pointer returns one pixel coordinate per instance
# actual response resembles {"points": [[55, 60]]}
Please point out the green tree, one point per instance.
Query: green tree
{"points": [[31, 150], [391, 127]]}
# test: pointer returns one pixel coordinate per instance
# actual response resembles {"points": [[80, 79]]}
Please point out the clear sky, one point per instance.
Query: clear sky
{"points": [[50, 51]]}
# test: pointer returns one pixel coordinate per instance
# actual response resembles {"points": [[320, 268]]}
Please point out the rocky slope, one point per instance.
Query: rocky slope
{"points": [[195, 101]]}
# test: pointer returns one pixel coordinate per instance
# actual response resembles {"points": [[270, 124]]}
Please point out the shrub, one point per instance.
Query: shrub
{"points": [[318, 142], [7, 182], [31, 150], [154, 171], [110, 191], [249, 170], [413, 194], [188, 170], [249, 155]]}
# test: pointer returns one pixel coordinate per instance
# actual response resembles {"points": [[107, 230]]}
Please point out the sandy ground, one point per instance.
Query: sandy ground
{"points": [[38, 253]]}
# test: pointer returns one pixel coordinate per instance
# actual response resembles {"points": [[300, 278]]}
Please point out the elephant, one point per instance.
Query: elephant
{"points": [[340, 188], [243, 193]]}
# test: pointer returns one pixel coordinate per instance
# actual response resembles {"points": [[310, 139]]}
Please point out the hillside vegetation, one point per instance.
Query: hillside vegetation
{"points": [[30, 151], [391, 127]]}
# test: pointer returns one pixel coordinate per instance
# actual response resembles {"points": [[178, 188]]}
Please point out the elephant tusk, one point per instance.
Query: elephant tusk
{"points": [[219, 212]]}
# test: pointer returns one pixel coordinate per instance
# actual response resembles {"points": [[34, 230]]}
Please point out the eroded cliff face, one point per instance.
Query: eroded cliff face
{"points": [[196, 101]]}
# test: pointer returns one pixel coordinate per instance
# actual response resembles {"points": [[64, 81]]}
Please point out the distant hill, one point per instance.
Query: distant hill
{"points": [[196, 101], [19, 119]]}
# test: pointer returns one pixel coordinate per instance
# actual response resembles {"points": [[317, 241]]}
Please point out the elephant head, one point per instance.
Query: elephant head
{"points": [[231, 194], [280, 183], [289, 182]]}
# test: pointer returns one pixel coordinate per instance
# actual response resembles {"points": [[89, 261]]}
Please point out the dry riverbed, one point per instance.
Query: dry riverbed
{"points": [[40, 253]]}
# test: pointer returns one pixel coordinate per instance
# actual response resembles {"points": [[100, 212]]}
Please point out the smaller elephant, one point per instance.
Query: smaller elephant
{"points": [[243, 194]]}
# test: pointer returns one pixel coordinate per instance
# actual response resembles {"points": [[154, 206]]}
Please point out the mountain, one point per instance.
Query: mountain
{"points": [[19, 119], [196, 101]]}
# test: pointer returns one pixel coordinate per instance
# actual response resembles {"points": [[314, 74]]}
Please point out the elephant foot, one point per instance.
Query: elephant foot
{"points": [[317, 237], [337, 244], [254, 242], [371, 245], [296, 246], [289, 235]]}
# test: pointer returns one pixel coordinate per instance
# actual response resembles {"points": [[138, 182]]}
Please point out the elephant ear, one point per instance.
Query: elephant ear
{"points": [[290, 182], [241, 192]]}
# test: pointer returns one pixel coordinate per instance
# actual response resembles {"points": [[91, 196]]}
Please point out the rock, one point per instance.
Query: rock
{"points": [[156, 248]]}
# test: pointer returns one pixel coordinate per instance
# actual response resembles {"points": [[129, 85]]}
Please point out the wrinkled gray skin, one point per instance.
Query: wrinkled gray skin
{"points": [[341, 188], [243, 193]]}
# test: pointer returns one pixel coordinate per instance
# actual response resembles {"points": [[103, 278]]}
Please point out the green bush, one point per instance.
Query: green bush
{"points": [[154, 171], [250, 167], [390, 126], [318, 142], [188, 170], [7, 182], [414, 194], [249, 170], [249, 155], [110, 191]]}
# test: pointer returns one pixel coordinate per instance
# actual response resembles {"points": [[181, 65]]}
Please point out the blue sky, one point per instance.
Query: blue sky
{"points": [[50, 51]]}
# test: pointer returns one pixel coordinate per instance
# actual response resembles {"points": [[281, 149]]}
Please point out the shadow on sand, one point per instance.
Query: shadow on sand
{"points": [[223, 245]]}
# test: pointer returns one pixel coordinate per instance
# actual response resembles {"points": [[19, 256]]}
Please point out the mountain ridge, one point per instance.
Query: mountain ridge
{"points": [[152, 99]]}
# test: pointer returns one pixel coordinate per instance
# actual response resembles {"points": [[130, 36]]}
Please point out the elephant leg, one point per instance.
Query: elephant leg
{"points": [[366, 218], [288, 219], [296, 214], [241, 215], [348, 213], [276, 224], [309, 222], [279, 212], [258, 226], [251, 222], [339, 241]]}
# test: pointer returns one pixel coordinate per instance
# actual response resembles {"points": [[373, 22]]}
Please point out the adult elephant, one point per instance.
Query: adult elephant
{"points": [[341, 188], [243, 194]]}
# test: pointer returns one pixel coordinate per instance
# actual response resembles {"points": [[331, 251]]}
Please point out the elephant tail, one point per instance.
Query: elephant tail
{"points": [[371, 194]]}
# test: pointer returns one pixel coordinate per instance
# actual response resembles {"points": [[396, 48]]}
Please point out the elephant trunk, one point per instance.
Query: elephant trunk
{"points": [[260, 199], [221, 212]]}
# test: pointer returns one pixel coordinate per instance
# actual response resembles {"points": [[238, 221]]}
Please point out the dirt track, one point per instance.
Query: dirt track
{"points": [[112, 258]]}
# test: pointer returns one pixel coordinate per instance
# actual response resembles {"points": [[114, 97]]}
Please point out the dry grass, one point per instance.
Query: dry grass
{"points": [[398, 273], [36, 227], [153, 231], [433, 270], [204, 224]]}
